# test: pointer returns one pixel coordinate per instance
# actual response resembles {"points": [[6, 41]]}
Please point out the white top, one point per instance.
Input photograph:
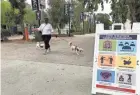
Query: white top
{"points": [[46, 29]]}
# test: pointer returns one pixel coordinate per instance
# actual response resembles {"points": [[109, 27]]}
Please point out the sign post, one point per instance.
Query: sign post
{"points": [[115, 64], [82, 18], [35, 6]]}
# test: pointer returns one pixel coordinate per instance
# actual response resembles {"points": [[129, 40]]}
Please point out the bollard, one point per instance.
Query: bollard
{"points": [[26, 34]]}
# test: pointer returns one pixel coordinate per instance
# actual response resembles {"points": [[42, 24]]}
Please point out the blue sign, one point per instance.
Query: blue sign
{"points": [[106, 76], [127, 46]]}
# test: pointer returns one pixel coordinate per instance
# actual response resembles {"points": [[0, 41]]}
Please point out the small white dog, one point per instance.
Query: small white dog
{"points": [[39, 45], [75, 48]]}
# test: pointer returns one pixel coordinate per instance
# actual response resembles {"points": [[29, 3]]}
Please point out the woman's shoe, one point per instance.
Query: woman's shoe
{"points": [[49, 49], [45, 52]]}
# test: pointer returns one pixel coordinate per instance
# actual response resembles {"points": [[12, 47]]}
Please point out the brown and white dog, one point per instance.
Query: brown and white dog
{"points": [[75, 48]]}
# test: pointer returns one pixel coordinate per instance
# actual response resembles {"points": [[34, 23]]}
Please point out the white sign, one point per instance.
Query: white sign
{"points": [[115, 64], [42, 4]]}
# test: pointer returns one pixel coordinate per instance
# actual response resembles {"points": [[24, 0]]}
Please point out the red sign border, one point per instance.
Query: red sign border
{"points": [[116, 88]]}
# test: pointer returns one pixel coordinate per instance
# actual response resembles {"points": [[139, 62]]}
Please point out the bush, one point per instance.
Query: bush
{"points": [[5, 32], [72, 30]]}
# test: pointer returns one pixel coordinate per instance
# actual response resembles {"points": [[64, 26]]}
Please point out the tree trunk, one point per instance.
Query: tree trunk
{"points": [[133, 15], [133, 12], [59, 31], [30, 30], [75, 26], [76, 29], [23, 33]]}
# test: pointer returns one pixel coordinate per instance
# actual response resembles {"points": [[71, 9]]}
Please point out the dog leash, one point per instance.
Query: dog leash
{"points": [[63, 39]]}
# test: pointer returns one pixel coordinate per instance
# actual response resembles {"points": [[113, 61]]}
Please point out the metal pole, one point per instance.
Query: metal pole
{"points": [[38, 10], [94, 23], [39, 22], [69, 17], [90, 23], [83, 17], [83, 23]]}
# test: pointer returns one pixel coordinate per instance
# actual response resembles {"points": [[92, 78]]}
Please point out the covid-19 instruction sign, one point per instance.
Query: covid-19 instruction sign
{"points": [[115, 65]]}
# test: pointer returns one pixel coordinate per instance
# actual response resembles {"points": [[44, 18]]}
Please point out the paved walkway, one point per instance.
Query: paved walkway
{"points": [[36, 78], [61, 52], [26, 71]]}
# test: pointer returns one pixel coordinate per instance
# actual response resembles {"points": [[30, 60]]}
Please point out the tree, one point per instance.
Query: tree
{"points": [[119, 12], [138, 13], [7, 17], [78, 9], [125, 9], [121, 9], [20, 5], [91, 5], [56, 13], [30, 17], [103, 18]]}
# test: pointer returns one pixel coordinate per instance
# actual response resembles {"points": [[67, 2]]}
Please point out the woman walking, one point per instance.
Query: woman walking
{"points": [[47, 30]]}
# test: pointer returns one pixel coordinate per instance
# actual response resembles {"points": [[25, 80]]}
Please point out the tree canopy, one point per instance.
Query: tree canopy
{"points": [[105, 19], [30, 16], [121, 9], [20, 5], [56, 13], [125, 9], [7, 14]]}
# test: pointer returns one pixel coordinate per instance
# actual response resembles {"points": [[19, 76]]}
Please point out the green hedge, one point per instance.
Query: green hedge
{"points": [[5, 32]]}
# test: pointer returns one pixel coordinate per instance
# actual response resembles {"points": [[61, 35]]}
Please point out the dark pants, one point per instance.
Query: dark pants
{"points": [[46, 39]]}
